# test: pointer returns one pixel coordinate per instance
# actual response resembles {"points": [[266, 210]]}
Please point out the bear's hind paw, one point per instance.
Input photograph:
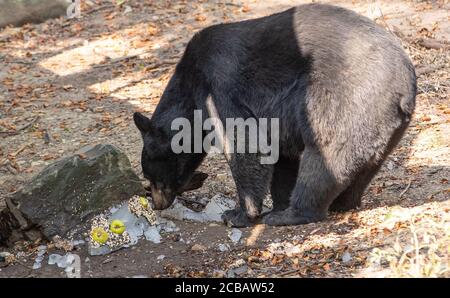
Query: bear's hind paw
{"points": [[288, 217], [237, 218]]}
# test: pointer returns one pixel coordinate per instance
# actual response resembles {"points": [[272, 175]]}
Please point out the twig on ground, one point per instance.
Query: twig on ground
{"points": [[6, 160], [289, 272], [10, 168], [17, 131], [427, 69], [406, 189], [95, 9], [434, 44], [118, 60]]}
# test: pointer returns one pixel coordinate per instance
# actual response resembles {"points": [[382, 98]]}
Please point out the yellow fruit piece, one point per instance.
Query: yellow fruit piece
{"points": [[144, 202], [99, 235], [117, 227]]}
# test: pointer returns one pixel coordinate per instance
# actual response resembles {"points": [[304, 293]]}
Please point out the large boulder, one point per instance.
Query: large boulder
{"points": [[69, 191], [19, 12]]}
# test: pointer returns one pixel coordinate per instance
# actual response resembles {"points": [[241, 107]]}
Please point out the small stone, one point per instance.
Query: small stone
{"points": [[224, 247], [241, 270], [167, 226], [238, 263], [390, 165], [161, 257], [235, 235], [221, 177], [128, 9], [42, 247], [218, 273], [198, 247], [346, 257]]}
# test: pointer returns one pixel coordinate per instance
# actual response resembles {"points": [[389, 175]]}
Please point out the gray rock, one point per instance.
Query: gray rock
{"points": [[235, 235], [241, 270], [69, 191], [20, 12]]}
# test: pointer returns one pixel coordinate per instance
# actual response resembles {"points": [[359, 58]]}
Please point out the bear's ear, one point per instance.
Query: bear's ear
{"points": [[143, 123]]}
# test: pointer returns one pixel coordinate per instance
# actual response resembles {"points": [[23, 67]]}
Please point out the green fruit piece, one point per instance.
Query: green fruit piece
{"points": [[117, 227], [144, 202], [99, 235]]}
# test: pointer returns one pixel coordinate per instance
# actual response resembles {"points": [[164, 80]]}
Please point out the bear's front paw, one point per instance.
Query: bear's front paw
{"points": [[236, 218], [288, 217]]}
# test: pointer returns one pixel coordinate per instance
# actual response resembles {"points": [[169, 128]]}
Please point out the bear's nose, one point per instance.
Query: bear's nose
{"points": [[162, 199]]}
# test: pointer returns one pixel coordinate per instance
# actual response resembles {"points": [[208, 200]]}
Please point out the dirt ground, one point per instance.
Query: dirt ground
{"points": [[68, 83]]}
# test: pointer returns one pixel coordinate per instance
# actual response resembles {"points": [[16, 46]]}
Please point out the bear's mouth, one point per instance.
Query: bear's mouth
{"points": [[163, 198]]}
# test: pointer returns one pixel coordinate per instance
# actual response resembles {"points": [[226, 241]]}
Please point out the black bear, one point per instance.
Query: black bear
{"points": [[342, 88]]}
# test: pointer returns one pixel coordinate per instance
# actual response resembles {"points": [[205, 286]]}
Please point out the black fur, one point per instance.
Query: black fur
{"points": [[342, 87]]}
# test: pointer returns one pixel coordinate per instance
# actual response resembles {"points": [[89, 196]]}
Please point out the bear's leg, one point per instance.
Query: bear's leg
{"points": [[283, 182], [351, 197], [252, 181], [313, 193]]}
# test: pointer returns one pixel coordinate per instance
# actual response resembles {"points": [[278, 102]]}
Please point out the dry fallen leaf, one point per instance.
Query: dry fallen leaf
{"points": [[200, 18]]}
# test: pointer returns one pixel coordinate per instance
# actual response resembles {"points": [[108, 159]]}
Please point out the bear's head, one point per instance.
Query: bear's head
{"points": [[169, 173]]}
